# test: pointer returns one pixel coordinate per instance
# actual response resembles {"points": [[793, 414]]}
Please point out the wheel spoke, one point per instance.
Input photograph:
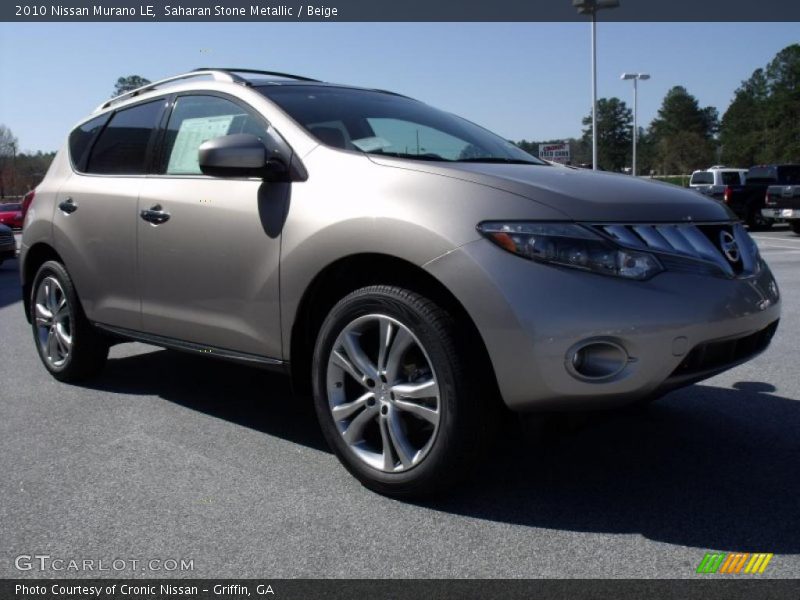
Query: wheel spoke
{"points": [[63, 338], [52, 344], [43, 316], [61, 309], [340, 361], [355, 431], [348, 409], [425, 389], [52, 302], [386, 331], [60, 347], [423, 412], [399, 440], [358, 357], [386, 445], [401, 342]]}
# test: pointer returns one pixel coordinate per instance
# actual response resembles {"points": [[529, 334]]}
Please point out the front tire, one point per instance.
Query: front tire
{"points": [[393, 394], [795, 225], [70, 348]]}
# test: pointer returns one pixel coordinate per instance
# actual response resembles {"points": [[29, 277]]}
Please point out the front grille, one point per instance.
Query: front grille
{"points": [[6, 238], [721, 248], [712, 356]]}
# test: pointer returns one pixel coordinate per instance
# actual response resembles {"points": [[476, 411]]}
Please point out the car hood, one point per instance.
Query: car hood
{"points": [[580, 194]]}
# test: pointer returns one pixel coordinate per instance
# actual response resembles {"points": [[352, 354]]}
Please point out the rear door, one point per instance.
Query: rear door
{"points": [[209, 269], [95, 218]]}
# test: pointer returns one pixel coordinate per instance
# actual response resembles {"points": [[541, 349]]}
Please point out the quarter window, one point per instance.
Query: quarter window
{"points": [[81, 137], [196, 119], [122, 147]]}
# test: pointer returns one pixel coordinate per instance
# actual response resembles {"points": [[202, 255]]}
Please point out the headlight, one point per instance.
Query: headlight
{"points": [[570, 245]]}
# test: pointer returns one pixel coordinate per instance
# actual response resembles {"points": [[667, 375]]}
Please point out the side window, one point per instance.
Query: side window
{"points": [[196, 119], [80, 139], [730, 178], [122, 147]]}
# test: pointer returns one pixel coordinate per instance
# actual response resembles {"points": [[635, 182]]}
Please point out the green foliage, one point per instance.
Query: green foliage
{"points": [[762, 124], [682, 136], [614, 131], [8, 150], [126, 84], [19, 172]]}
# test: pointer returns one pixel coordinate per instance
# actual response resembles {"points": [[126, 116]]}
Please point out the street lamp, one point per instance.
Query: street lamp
{"points": [[590, 7], [636, 77]]}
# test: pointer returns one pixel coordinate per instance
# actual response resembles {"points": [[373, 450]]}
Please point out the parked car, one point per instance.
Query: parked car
{"points": [[412, 271], [783, 200], [718, 182], [11, 215], [749, 202], [8, 245], [27, 199]]}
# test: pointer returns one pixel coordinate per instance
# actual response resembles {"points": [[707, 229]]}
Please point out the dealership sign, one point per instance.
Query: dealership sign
{"points": [[555, 152]]}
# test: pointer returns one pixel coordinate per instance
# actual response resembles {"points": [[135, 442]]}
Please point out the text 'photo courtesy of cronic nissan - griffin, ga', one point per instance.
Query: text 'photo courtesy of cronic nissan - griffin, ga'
{"points": [[415, 273]]}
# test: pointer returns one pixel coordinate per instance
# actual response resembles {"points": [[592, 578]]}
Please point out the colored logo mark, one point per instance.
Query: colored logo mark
{"points": [[734, 562]]}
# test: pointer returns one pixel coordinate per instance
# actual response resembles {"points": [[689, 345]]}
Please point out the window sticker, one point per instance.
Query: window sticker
{"points": [[183, 160]]}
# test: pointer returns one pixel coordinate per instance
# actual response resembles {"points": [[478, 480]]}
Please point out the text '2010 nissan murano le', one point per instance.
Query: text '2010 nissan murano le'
{"points": [[412, 270]]}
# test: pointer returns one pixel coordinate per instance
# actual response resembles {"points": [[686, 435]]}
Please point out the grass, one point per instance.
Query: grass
{"points": [[679, 180]]}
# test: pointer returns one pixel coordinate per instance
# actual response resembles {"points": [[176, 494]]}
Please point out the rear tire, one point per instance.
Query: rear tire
{"points": [[70, 348], [394, 396], [795, 225]]}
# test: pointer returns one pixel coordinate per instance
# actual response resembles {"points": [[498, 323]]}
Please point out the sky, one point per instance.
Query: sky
{"points": [[521, 80]]}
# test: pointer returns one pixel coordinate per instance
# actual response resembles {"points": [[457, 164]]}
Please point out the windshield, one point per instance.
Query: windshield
{"points": [[390, 125]]}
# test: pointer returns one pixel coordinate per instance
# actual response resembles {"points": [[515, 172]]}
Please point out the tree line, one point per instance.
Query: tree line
{"points": [[762, 125]]}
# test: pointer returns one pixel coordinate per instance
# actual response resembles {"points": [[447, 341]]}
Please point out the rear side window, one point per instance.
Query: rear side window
{"points": [[121, 148], [196, 119], [761, 174], [702, 177], [731, 178], [81, 138], [789, 175]]}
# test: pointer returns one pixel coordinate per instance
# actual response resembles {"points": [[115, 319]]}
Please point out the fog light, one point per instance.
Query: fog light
{"points": [[596, 360]]}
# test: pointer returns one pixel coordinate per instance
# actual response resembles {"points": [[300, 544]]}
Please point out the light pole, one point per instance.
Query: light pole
{"points": [[590, 7], [636, 77]]}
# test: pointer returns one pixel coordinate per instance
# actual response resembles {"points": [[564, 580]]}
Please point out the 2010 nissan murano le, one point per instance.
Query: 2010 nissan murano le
{"points": [[411, 269]]}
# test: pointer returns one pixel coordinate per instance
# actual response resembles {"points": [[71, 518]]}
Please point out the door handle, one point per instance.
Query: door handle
{"points": [[155, 215], [68, 206]]}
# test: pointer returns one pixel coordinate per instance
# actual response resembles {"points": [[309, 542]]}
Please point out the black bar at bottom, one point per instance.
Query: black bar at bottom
{"points": [[713, 588]]}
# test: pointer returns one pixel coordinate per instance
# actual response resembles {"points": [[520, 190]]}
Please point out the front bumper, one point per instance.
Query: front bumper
{"points": [[676, 328]]}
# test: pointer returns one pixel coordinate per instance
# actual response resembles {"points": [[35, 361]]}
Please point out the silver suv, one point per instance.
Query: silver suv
{"points": [[411, 270]]}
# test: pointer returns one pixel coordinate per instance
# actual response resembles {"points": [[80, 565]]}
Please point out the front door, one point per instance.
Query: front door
{"points": [[208, 248]]}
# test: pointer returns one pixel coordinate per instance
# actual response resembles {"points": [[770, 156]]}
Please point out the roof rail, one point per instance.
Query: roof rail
{"points": [[258, 72], [217, 74]]}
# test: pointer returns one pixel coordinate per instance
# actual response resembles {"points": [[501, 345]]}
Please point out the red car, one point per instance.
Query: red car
{"points": [[11, 215]]}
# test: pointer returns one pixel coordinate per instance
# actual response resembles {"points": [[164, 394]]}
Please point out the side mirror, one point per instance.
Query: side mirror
{"points": [[240, 155]]}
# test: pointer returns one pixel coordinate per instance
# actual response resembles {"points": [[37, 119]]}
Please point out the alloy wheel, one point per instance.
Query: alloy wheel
{"points": [[53, 322], [383, 393]]}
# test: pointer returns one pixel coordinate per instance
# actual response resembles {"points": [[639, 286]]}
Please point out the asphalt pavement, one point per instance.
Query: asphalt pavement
{"points": [[168, 456]]}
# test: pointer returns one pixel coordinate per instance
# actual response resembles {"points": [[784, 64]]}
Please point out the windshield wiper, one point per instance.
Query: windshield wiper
{"points": [[497, 159], [430, 157]]}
